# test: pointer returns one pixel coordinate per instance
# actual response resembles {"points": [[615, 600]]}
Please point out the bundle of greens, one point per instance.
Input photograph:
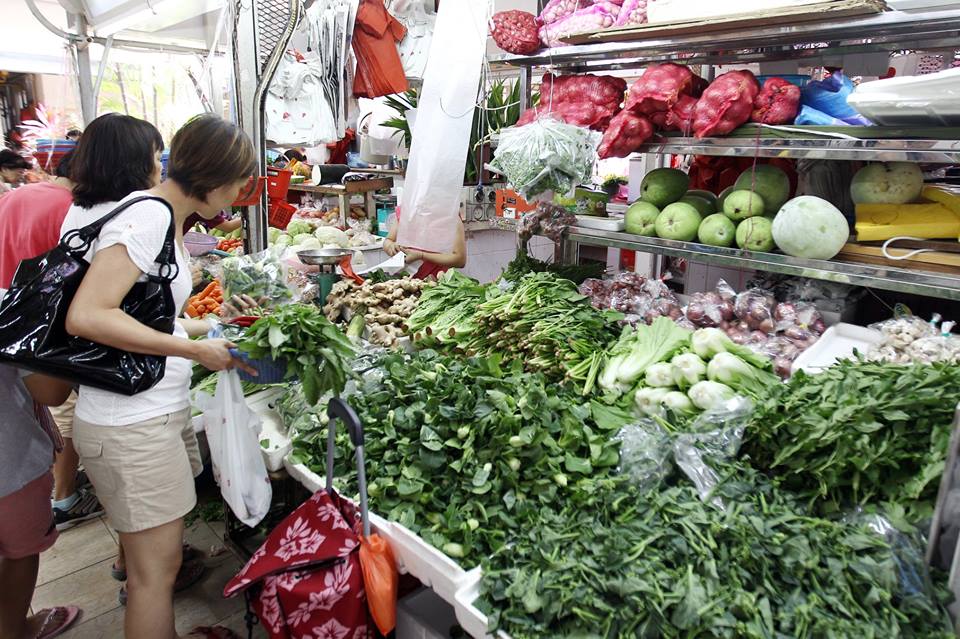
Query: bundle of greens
{"points": [[621, 563], [465, 452], [546, 324], [446, 309], [316, 352], [525, 263], [858, 433], [261, 276]]}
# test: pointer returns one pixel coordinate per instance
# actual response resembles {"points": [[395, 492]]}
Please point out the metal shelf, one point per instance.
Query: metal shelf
{"points": [[900, 280], [823, 148], [888, 31]]}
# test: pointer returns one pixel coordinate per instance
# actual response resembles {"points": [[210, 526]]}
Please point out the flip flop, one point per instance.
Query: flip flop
{"points": [[189, 554], [213, 632], [190, 573], [68, 615]]}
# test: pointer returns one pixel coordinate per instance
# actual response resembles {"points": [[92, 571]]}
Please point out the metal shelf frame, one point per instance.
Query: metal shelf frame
{"points": [[925, 283], [888, 31]]}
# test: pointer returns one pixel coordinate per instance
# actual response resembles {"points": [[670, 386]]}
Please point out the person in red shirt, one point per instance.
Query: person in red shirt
{"points": [[30, 221]]}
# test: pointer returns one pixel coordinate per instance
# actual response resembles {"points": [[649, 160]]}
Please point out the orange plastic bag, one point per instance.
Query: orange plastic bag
{"points": [[380, 581]]}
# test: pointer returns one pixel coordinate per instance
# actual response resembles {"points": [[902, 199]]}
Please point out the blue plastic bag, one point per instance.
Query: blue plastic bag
{"points": [[829, 96], [815, 117]]}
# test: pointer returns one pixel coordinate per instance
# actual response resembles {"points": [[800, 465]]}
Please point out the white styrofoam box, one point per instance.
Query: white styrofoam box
{"points": [[433, 568], [471, 619], [423, 615], [922, 100], [837, 343], [273, 431], [919, 5], [601, 223]]}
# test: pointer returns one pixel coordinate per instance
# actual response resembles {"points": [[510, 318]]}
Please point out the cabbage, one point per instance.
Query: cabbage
{"points": [[309, 244], [297, 227], [810, 227], [302, 237], [332, 235]]}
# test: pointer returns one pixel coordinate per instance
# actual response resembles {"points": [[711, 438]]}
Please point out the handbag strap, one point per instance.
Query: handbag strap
{"points": [[169, 269]]}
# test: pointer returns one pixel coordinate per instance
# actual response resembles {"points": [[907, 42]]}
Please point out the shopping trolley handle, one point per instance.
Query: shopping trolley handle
{"points": [[339, 409]]}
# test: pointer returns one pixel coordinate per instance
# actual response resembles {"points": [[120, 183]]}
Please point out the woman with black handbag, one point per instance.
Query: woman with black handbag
{"points": [[139, 450]]}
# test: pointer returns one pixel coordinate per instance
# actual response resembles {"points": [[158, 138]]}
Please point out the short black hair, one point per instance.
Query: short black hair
{"points": [[75, 132], [63, 168], [209, 152], [13, 160], [114, 157], [293, 154]]}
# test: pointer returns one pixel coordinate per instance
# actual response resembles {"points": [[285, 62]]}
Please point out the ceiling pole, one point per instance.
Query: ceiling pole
{"points": [[88, 101]]}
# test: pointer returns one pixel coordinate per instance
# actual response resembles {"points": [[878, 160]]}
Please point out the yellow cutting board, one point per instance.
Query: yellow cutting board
{"points": [[929, 220]]}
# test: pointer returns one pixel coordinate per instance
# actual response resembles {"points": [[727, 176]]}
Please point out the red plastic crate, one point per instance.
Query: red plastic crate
{"points": [[278, 183], [280, 214]]}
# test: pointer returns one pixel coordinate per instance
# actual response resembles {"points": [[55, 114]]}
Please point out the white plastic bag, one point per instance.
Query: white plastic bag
{"points": [[233, 433], [430, 202], [297, 110]]}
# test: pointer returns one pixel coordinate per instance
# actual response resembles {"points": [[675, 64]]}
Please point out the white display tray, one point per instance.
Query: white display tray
{"points": [[473, 622], [615, 224], [837, 342], [414, 556]]}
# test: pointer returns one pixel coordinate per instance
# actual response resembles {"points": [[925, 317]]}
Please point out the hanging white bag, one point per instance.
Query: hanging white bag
{"points": [[233, 433]]}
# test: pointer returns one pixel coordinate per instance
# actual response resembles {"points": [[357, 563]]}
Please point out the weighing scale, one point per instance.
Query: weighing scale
{"points": [[327, 259]]}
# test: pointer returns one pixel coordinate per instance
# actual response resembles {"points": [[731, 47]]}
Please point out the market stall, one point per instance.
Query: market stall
{"points": [[569, 452]]}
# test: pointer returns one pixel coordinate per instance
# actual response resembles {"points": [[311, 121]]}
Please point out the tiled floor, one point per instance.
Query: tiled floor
{"points": [[77, 571]]}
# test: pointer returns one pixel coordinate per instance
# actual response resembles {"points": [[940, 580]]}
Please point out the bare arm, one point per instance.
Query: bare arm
{"points": [[456, 258], [230, 225], [194, 327], [390, 244], [95, 314], [46, 390]]}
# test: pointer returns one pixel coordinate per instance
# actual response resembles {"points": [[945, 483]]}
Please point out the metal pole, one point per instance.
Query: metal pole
{"points": [[88, 103], [525, 78]]}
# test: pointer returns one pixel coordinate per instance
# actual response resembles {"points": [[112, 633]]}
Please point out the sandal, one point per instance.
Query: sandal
{"points": [[189, 554], [57, 620], [190, 573], [213, 632]]}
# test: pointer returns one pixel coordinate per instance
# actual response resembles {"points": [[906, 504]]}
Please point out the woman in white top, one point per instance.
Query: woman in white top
{"points": [[140, 452]]}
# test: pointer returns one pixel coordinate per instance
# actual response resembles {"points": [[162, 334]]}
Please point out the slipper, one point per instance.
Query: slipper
{"points": [[189, 554], [57, 620], [213, 632], [190, 573]]}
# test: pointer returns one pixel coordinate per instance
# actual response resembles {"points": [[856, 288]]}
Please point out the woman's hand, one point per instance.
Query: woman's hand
{"points": [[237, 306], [214, 354], [390, 247], [412, 255], [196, 273]]}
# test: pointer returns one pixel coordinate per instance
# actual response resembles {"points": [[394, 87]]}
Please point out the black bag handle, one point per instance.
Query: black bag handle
{"points": [[169, 269]]}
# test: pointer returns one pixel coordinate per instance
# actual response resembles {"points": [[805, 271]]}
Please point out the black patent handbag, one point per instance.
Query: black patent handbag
{"points": [[33, 314]]}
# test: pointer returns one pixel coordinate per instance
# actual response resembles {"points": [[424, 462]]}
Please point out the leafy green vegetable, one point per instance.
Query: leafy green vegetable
{"points": [[469, 464], [315, 350], [446, 309], [543, 322], [525, 263], [617, 562], [858, 433], [638, 349]]}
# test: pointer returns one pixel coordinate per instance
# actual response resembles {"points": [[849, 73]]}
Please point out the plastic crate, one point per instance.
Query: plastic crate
{"points": [[280, 214], [250, 195], [278, 183]]}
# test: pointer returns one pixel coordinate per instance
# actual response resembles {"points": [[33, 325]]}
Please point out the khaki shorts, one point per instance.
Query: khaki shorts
{"points": [[143, 473], [63, 415]]}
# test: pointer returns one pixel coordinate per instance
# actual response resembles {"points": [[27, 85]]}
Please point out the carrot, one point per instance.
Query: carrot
{"points": [[191, 311], [209, 289]]}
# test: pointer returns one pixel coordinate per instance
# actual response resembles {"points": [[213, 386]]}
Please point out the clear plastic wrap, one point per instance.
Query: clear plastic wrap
{"points": [[645, 452], [546, 156], [262, 276], [755, 307], [548, 220], [639, 298], [714, 437], [910, 339], [709, 309]]}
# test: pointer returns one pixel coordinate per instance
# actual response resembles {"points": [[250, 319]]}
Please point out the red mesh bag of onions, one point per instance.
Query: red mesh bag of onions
{"points": [[516, 32], [626, 133], [659, 88], [725, 104], [777, 103]]}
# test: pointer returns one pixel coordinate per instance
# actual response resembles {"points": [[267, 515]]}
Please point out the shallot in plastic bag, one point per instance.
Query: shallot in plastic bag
{"points": [[516, 32], [725, 104], [632, 12], [592, 18], [777, 103]]}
